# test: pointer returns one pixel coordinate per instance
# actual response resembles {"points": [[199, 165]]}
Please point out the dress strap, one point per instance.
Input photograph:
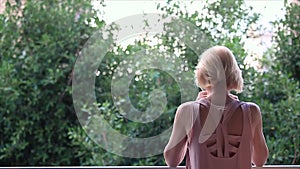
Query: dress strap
{"points": [[228, 113], [247, 119], [205, 102]]}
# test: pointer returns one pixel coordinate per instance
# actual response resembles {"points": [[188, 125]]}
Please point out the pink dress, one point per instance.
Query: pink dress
{"points": [[221, 150]]}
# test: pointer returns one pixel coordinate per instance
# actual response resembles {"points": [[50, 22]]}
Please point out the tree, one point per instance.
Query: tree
{"points": [[39, 46], [287, 41]]}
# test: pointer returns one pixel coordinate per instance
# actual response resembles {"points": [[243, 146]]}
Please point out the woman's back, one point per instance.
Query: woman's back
{"points": [[229, 146]]}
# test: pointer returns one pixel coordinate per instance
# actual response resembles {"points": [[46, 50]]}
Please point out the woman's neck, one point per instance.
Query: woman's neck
{"points": [[219, 96]]}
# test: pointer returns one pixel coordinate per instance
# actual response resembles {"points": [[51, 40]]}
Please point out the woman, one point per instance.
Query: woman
{"points": [[217, 130]]}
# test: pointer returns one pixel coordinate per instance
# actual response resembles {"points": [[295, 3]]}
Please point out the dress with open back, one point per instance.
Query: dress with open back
{"points": [[221, 150]]}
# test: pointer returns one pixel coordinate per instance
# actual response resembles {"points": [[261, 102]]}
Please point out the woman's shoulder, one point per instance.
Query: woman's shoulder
{"points": [[254, 111], [187, 114], [186, 106], [190, 108], [253, 106]]}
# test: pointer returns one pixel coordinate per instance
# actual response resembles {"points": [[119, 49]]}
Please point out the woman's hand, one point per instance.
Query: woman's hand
{"points": [[235, 97], [201, 95]]}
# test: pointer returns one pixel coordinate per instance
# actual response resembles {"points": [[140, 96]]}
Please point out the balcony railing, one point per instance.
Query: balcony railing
{"points": [[182, 167]]}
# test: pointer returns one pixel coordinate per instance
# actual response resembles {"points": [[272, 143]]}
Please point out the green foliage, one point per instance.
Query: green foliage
{"points": [[278, 97], [143, 84], [277, 90], [40, 44], [287, 40]]}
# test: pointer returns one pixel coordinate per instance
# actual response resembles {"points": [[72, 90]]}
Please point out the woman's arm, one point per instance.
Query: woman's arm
{"points": [[175, 155], [260, 149], [176, 148]]}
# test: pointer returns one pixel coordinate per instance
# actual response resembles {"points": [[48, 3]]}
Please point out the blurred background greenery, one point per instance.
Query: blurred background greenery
{"points": [[41, 40]]}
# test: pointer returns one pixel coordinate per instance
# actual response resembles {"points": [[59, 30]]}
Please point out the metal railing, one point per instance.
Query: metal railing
{"points": [[183, 167]]}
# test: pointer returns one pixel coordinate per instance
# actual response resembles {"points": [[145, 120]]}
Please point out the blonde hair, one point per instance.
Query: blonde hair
{"points": [[218, 65]]}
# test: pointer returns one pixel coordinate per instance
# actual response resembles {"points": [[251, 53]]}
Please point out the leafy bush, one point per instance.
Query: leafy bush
{"points": [[278, 97], [287, 40], [39, 47]]}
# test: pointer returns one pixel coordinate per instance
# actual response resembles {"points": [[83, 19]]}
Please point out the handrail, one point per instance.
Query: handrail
{"points": [[183, 167], [157, 167]]}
